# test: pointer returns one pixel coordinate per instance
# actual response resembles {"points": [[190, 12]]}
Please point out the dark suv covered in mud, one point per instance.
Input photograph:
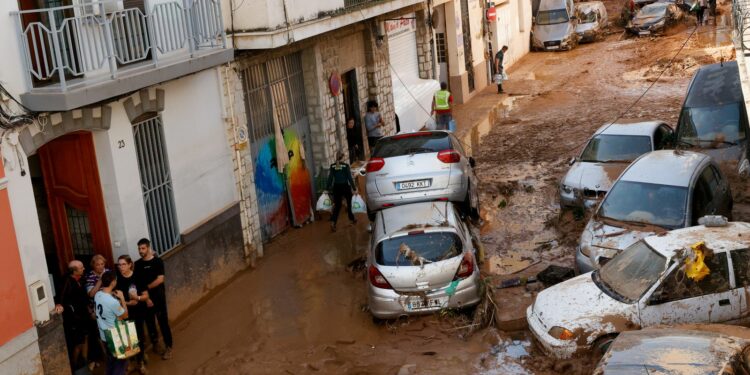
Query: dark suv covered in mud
{"points": [[713, 119]]}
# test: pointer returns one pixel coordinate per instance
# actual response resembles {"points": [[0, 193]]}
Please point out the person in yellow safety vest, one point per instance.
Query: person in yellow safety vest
{"points": [[442, 103]]}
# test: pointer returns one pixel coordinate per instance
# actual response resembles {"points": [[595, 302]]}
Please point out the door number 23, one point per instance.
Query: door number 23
{"points": [[121, 144]]}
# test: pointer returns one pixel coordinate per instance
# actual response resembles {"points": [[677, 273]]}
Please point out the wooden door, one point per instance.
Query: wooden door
{"points": [[74, 194]]}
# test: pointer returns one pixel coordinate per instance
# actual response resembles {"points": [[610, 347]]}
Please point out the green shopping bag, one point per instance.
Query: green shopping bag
{"points": [[122, 339]]}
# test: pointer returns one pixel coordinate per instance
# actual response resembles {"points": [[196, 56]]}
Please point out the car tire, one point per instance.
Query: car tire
{"points": [[475, 212]]}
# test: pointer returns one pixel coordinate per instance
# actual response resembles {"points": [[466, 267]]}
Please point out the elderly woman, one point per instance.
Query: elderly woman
{"points": [[93, 278], [93, 285]]}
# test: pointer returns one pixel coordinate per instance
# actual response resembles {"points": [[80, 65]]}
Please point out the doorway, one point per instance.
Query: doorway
{"points": [[351, 111], [70, 203]]}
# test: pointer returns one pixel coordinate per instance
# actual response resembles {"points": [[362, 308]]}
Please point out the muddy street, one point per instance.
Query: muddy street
{"points": [[303, 310]]}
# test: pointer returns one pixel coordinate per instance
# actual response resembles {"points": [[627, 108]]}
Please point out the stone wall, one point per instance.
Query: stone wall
{"points": [[424, 46], [379, 83]]}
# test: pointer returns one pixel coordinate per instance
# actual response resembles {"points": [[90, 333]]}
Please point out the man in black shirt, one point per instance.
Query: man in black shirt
{"points": [[150, 269], [499, 56], [340, 182]]}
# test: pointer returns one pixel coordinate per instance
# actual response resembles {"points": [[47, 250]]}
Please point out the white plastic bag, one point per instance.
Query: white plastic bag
{"points": [[498, 79], [325, 203], [358, 205], [430, 124]]}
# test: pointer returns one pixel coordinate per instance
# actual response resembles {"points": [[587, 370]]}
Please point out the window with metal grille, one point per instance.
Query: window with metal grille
{"points": [[280, 79], [440, 42], [80, 233], [156, 184]]}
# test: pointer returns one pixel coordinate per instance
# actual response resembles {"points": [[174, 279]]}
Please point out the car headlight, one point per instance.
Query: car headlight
{"points": [[561, 333], [567, 189]]}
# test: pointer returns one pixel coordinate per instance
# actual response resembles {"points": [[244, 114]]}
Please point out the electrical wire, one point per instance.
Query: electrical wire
{"points": [[621, 114]]}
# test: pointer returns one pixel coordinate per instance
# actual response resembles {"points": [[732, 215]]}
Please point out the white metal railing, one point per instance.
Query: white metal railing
{"points": [[741, 19], [69, 41], [357, 3]]}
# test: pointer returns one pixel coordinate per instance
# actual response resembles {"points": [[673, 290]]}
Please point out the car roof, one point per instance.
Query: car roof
{"points": [[718, 239], [671, 350], [413, 216], [665, 167], [715, 84], [635, 128]]}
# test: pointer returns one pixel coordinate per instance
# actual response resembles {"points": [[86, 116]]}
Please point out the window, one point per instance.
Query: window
{"points": [[741, 266], [156, 184], [411, 143], [677, 286], [409, 249], [440, 42]]}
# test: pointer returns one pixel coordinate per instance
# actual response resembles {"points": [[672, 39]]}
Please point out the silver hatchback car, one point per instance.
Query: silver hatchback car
{"points": [[421, 166], [422, 259]]}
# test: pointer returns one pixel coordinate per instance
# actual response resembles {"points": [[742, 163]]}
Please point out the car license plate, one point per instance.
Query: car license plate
{"points": [[418, 184], [553, 47], [421, 303], [644, 32]]}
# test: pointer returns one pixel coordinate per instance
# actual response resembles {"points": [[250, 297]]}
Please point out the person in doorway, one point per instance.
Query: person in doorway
{"points": [[342, 185], [110, 307], [374, 124], [150, 269], [353, 139], [74, 304], [136, 295], [442, 103], [499, 56]]}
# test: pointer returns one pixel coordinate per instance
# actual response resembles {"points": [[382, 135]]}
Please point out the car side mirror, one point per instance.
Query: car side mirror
{"points": [[572, 161], [472, 162]]}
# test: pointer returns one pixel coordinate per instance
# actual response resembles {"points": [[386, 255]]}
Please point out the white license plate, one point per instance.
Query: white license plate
{"points": [[553, 47], [406, 185], [644, 32], [421, 303]]}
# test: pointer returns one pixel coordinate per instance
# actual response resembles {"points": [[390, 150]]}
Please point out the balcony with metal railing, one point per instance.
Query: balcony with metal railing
{"points": [[77, 55]]}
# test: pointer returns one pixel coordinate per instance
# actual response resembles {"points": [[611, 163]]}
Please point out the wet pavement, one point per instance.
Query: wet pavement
{"points": [[302, 310]]}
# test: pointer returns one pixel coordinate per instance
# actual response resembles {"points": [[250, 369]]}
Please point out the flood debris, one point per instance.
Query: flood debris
{"points": [[554, 274], [411, 255]]}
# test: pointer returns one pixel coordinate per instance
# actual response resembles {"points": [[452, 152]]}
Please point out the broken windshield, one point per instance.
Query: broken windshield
{"points": [[418, 249], [632, 272], [604, 148], [706, 125], [641, 202], [587, 16], [550, 17]]}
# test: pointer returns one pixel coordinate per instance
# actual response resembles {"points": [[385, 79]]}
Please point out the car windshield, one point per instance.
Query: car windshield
{"points": [[604, 148], [705, 125], [411, 143], [652, 10], [551, 17], [587, 16], [410, 250], [644, 203], [632, 272]]}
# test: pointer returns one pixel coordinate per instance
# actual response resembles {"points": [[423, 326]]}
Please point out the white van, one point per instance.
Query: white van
{"points": [[554, 26]]}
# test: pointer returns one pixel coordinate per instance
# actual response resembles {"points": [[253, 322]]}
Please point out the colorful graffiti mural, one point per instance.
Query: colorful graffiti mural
{"points": [[300, 188], [282, 197]]}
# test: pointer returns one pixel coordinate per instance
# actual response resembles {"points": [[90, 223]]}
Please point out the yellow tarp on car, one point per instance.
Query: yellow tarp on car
{"points": [[695, 268]]}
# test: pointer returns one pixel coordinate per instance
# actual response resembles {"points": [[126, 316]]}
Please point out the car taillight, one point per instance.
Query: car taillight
{"points": [[466, 268], [375, 164], [449, 156], [377, 279]]}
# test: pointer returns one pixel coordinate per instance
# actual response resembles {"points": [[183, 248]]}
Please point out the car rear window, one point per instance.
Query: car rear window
{"points": [[409, 250], [415, 143]]}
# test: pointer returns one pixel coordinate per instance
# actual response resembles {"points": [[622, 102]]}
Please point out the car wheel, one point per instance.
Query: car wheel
{"points": [[602, 344], [475, 212]]}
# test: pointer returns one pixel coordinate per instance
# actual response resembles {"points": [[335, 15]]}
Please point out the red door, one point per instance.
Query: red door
{"points": [[74, 194]]}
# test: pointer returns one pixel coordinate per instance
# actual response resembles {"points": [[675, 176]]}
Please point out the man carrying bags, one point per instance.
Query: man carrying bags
{"points": [[340, 182]]}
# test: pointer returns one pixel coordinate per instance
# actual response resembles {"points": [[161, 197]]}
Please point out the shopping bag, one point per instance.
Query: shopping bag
{"points": [[694, 7], [505, 76], [325, 203], [122, 339], [358, 205], [452, 125], [498, 79], [430, 124]]}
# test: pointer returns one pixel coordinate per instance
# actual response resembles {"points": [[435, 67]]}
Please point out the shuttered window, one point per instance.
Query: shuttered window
{"points": [[156, 184]]}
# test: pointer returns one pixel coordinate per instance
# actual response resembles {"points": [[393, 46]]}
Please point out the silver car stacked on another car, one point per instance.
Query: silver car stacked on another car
{"points": [[609, 151], [592, 20], [660, 191], [554, 26], [422, 260], [420, 166]]}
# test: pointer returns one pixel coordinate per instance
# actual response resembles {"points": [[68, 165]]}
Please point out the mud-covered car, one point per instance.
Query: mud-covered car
{"points": [[687, 349], [655, 18], [421, 166], [608, 152], [660, 191], [592, 20], [554, 26], [713, 119], [648, 284], [423, 259]]}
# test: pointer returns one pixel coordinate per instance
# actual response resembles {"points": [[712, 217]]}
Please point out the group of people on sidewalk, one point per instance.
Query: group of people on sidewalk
{"points": [[92, 302]]}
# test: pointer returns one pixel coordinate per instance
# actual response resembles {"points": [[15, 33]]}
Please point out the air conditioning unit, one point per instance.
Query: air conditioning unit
{"points": [[39, 301]]}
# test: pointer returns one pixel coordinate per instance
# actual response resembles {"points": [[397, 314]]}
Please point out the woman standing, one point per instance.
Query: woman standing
{"points": [[98, 265], [136, 295]]}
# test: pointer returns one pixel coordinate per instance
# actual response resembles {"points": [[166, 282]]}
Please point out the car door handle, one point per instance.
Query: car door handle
{"points": [[724, 302]]}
